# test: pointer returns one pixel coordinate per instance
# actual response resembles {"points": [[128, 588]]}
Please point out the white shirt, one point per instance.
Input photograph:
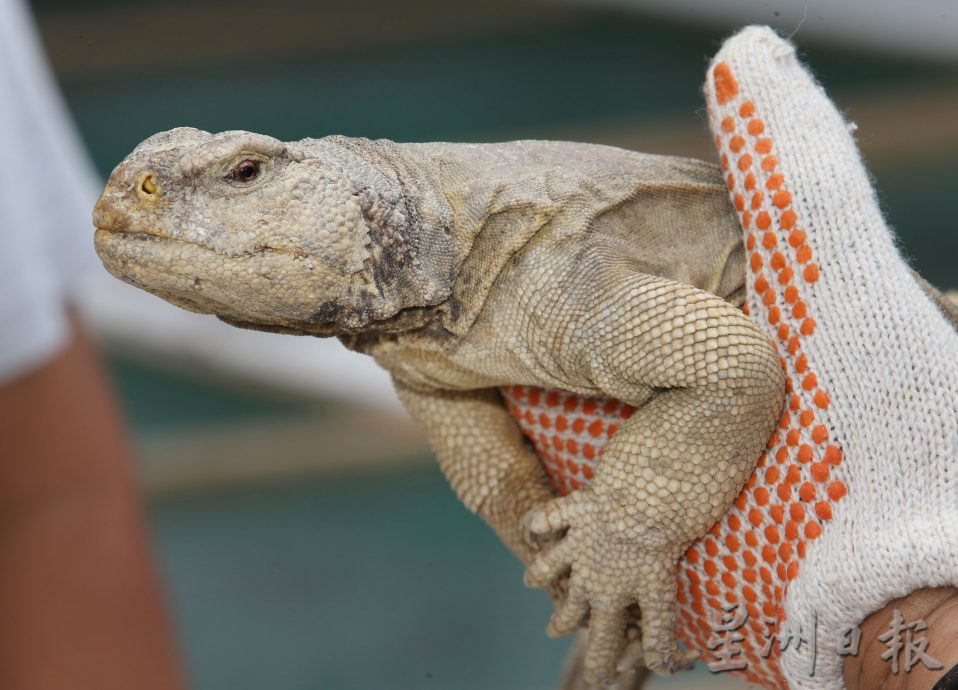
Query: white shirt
{"points": [[47, 192]]}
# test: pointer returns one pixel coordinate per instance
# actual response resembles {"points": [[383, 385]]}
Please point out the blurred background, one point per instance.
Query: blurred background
{"points": [[306, 536]]}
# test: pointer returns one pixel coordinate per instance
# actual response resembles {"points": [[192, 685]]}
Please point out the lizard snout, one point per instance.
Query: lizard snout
{"points": [[107, 215], [128, 203]]}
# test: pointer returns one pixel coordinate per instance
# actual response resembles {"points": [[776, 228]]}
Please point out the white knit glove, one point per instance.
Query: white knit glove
{"points": [[855, 502]]}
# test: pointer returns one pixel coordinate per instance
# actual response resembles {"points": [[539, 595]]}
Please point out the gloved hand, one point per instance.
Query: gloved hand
{"points": [[855, 501]]}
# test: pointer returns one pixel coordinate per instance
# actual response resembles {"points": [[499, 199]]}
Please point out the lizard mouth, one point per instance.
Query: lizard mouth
{"points": [[256, 290], [117, 233], [105, 238], [126, 253]]}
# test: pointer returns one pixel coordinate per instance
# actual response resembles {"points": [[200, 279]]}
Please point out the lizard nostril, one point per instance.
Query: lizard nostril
{"points": [[147, 188]]}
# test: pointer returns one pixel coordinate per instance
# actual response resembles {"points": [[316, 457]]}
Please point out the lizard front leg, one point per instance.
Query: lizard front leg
{"points": [[708, 388], [483, 455]]}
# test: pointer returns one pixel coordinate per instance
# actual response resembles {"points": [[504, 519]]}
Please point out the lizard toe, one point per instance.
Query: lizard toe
{"points": [[670, 662], [547, 566], [557, 514], [569, 616], [606, 642]]}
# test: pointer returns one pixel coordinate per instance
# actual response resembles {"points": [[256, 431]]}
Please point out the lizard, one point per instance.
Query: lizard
{"points": [[468, 271]]}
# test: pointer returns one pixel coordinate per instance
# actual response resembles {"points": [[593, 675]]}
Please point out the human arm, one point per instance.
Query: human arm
{"points": [[80, 599], [938, 608]]}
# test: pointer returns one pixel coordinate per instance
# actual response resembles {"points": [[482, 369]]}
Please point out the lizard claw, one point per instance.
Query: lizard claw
{"points": [[632, 673], [553, 516], [549, 564], [669, 663], [633, 656], [607, 642], [609, 565], [569, 615]]}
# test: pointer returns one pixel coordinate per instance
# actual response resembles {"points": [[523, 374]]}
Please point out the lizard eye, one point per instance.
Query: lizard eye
{"points": [[245, 171]]}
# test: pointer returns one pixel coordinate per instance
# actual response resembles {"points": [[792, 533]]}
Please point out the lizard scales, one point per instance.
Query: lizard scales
{"points": [[575, 272]]}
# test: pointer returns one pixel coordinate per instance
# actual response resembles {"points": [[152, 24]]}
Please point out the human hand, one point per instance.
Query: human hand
{"points": [[854, 502]]}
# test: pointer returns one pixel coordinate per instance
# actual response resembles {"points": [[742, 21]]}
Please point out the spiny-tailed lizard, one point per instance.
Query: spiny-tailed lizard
{"points": [[585, 296]]}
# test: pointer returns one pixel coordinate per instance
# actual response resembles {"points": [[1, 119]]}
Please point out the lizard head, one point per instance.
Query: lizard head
{"points": [[302, 237]]}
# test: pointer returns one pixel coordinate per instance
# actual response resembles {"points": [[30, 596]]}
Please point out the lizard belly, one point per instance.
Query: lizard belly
{"points": [[567, 431]]}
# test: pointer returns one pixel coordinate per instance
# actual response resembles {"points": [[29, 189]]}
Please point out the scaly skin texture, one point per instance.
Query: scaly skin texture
{"points": [[463, 268]]}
